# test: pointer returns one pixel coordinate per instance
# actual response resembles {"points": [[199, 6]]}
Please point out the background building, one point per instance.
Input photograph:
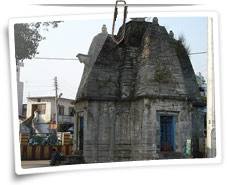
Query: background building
{"points": [[47, 113]]}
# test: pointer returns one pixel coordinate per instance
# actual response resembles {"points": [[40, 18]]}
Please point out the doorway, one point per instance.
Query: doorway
{"points": [[81, 133], [167, 133], [34, 107]]}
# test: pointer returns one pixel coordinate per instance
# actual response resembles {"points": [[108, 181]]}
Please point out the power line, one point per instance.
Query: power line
{"points": [[198, 53], [56, 58], [37, 90], [67, 91], [38, 86], [65, 83]]}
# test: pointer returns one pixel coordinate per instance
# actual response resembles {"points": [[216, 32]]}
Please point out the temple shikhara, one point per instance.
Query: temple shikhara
{"points": [[138, 100]]}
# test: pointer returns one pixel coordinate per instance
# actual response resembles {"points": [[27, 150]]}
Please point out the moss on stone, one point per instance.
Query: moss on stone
{"points": [[162, 73]]}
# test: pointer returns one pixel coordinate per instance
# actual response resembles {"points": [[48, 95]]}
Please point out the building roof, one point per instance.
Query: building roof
{"points": [[48, 97], [149, 62]]}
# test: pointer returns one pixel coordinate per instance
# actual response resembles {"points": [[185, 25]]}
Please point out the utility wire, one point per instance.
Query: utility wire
{"points": [[55, 58], [50, 58], [198, 53], [38, 90], [38, 86]]}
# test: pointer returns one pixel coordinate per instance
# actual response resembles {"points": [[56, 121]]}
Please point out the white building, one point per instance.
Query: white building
{"points": [[202, 84], [47, 112]]}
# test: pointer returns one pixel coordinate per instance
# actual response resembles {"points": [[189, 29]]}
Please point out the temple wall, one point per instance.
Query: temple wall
{"points": [[121, 131]]}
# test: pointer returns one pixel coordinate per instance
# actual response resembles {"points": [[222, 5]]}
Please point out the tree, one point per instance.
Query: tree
{"points": [[27, 38]]}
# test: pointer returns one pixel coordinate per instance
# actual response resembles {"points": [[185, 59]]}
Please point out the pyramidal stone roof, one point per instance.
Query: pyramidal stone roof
{"points": [[149, 62]]}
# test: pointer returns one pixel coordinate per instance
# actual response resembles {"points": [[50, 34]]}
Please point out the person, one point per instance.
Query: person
{"points": [[36, 116], [34, 121], [56, 157]]}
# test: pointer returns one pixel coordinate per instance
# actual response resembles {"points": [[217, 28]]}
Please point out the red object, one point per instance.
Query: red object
{"points": [[53, 125]]}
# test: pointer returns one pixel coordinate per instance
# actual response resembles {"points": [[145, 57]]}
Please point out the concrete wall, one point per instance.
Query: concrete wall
{"points": [[121, 131], [66, 103]]}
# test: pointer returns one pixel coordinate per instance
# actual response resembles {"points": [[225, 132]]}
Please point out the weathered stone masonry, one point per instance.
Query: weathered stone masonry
{"points": [[126, 92]]}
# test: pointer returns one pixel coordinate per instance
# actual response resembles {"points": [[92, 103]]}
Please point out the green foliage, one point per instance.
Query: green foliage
{"points": [[27, 38], [51, 140], [36, 140], [182, 40], [162, 73]]}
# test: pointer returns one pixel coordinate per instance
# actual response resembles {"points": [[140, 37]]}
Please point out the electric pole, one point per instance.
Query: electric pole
{"points": [[56, 99]]}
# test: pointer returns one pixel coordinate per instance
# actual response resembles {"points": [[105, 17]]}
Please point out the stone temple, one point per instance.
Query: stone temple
{"points": [[138, 100]]}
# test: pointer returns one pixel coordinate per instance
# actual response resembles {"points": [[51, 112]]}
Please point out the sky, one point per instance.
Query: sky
{"points": [[75, 36]]}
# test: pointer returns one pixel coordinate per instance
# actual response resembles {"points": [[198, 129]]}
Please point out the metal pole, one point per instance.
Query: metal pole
{"points": [[56, 99]]}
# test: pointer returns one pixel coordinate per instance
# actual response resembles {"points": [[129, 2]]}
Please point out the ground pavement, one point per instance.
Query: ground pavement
{"points": [[35, 164]]}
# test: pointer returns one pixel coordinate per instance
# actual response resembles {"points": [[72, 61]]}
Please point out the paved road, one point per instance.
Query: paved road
{"points": [[35, 164]]}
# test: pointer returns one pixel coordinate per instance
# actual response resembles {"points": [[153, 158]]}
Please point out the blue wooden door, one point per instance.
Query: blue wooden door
{"points": [[167, 133], [81, 133]]}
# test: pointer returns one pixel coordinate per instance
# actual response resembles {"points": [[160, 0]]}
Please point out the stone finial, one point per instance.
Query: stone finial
{"points": [[83, 58], [171, 34], [155, 20], [104, 29]]}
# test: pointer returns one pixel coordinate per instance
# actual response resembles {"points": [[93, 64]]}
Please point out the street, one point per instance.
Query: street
{"points": [[35, 164]]}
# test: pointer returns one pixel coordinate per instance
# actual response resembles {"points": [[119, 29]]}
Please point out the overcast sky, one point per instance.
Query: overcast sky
{"points": [[73, 37]]}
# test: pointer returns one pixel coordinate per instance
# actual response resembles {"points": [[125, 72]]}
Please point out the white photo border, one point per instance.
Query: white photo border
{"points": [[216, 56]]}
